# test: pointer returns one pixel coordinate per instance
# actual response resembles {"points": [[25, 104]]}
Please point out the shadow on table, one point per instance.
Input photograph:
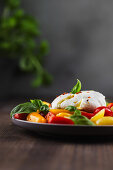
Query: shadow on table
{"points": [[70, 139]]}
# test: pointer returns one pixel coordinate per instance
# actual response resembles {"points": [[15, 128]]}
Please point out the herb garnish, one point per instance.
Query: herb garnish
{"points": [[19, 33], [29, 107], [76, 88], [71, 108], [77, 118]]}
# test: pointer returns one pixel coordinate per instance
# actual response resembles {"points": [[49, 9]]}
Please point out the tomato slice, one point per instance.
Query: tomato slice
{"points": [[21, 116], [49, 116], [61, 120], [88, 115], [108, 111], [52, 118], [110, 106]]}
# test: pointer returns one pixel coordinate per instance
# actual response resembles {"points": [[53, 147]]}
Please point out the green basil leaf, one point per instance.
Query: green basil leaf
{"points": [[77, 113], [71, 108], [40, 105], [23, 108], [76, 88], [37, 103], [29, 107], [44, 108], [81, 120]]}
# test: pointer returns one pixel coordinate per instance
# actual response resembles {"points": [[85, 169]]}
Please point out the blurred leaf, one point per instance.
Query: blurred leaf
{"points": [[8, 23], [47, 78], [38, 81], [19, 40], [31, 43], [18, 34], [5, 45], [11, 22], [44, 48], [29, 27], [19, 13], [13, 3], [25, 64]]}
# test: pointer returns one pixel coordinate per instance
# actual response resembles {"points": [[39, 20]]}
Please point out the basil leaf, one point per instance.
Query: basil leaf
{"points": [[44, 108], [29, 107], [23, 108], [40, 106], [77, 113], [76, 88], [71, 108], [81, 120], [37, 103]]}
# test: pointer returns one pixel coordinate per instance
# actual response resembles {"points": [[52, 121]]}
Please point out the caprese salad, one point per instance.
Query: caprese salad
{"points": [[74, 108]]}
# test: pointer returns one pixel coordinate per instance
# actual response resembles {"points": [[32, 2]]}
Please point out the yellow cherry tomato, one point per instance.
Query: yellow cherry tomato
{"points": [[56, 111], [110, 105], [36, 117], [98, 116], [63, 114], [48, 104], [106, 120]]}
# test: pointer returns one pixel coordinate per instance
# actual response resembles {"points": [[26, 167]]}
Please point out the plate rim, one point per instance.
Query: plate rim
{"points": [[61, 125]]}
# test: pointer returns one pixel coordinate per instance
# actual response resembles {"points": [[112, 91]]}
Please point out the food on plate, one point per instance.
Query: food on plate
{"points": [[97, 116], [51, 118], [35, 117], [110, 105], [74, 108], [108, 112], [20, 116], [84, 100], [106, 120]]}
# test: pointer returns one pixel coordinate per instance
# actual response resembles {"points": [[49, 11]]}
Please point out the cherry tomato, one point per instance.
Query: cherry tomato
{"points": [[61, 120], [88, 115], [21, 116], [110, 105], [50, 116], [108, 111], [36, 117]]}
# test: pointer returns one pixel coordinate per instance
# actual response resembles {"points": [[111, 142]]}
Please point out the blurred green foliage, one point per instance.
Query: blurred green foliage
{"points": [[18, 33]]}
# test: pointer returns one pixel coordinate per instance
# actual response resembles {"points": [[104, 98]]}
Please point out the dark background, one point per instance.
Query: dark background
{"points": [[80, 34]]}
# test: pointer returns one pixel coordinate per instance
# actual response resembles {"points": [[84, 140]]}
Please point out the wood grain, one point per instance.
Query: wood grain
{"points": [[23, 150]]}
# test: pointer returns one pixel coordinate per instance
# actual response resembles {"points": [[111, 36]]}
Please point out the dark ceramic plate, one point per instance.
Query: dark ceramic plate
{"points": [[65, 130]]}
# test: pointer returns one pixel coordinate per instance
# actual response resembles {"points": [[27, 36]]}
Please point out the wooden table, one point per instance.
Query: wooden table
{"points": [[23, 150]]}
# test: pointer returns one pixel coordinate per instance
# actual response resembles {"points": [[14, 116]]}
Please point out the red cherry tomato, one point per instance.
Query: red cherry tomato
{"points": [[88, 115], [52, 118], [21, 116], [61, 120], [108, 111]]}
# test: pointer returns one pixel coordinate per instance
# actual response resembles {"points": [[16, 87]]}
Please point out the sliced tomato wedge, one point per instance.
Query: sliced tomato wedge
{"points": [[21, 116], [52, 118], [88, 115], [108, 111]]}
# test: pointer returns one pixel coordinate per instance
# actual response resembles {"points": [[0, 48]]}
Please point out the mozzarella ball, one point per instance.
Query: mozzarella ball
{"points": [[84, 100]]}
